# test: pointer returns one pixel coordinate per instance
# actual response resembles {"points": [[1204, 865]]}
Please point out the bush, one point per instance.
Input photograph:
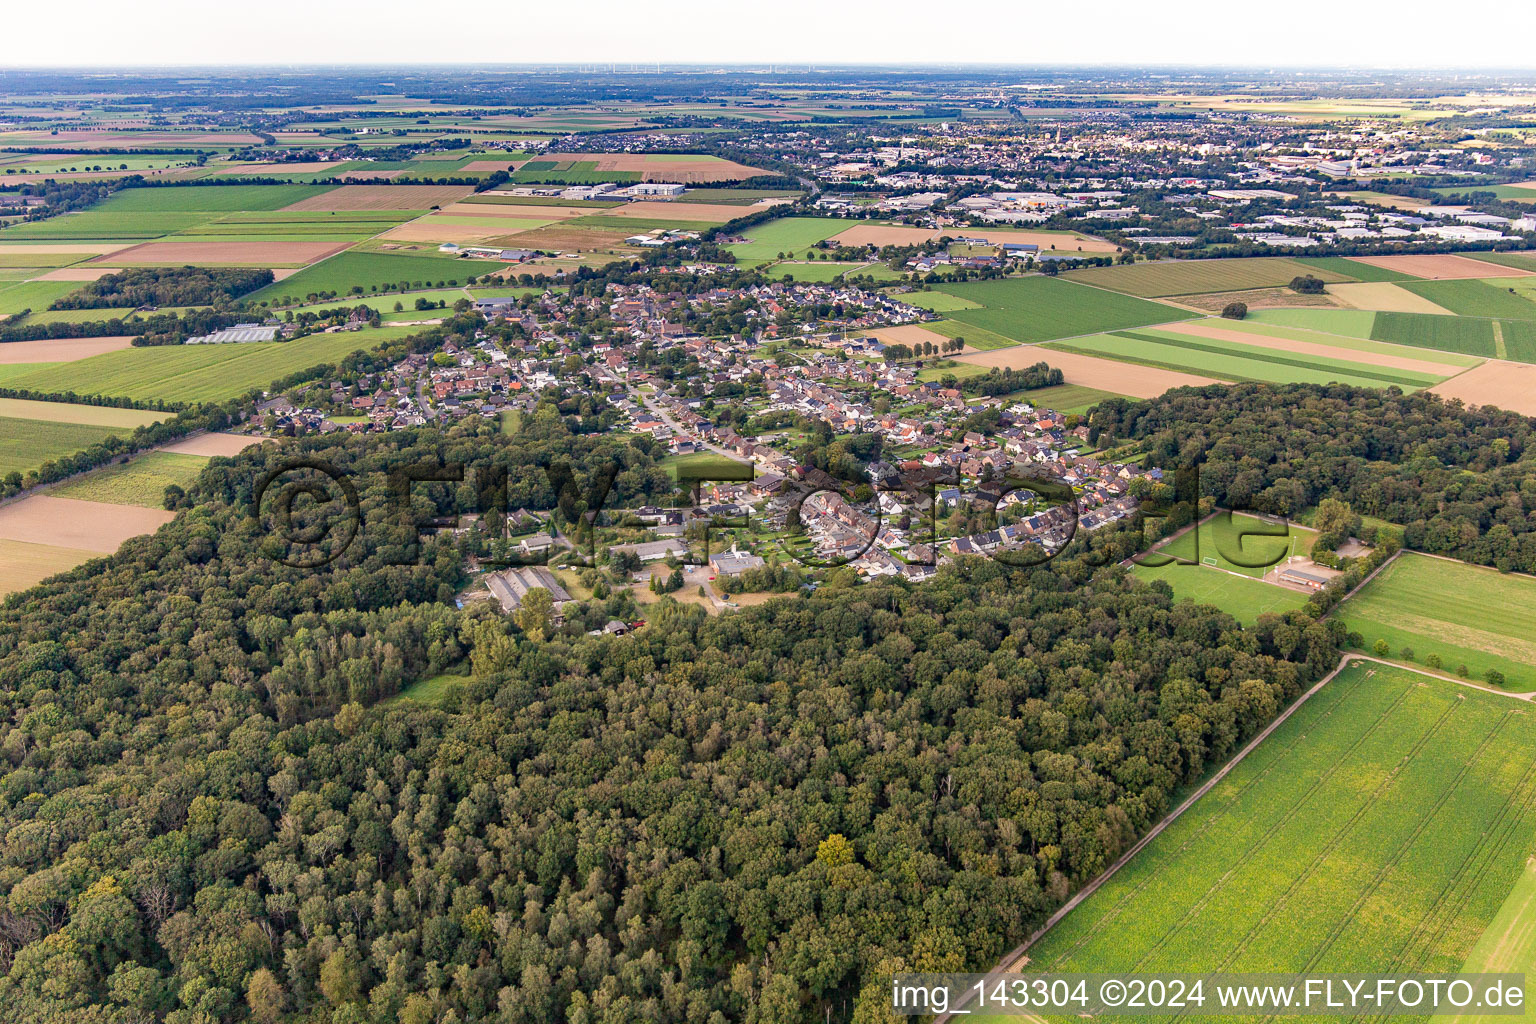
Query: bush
{"points": [[1432, 660], [1235, 310], [1494, 677], [1307, 285], [1381, 648]]}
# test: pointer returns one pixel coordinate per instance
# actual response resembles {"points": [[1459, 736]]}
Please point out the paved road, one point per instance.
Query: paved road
{"points": [[661, 413]]}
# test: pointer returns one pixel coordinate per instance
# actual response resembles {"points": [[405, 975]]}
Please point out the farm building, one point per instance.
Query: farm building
{"points": [[239, 334]]}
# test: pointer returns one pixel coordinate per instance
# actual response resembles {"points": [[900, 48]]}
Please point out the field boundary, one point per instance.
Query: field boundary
{"points": [[1010, 960]]}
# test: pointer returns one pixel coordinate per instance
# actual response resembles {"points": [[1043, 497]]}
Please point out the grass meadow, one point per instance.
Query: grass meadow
{"points": [[141, 481], [788, 234], [27, 443], [1464, 614]]}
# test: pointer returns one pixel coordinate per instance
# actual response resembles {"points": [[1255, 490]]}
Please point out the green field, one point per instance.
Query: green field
{"points": [[1242, 597], [1236, 361], [1191, 277], [1428, 330], [1517, 260], [33, 295], [1064, 398], [1353, 268], [1508, 944], [1379, 829], [429, 691], [1475, 298], [788, 234], [372, 270], [938, 302], [1031, 309], [141, 481], [208, 198], [27, 444], [198, 373], [1350, 323], [1357, 342], [1465, 614], [1234, 535]]}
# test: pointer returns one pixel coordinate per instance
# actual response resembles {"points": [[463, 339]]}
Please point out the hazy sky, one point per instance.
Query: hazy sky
{"points": [[1473, 33]]}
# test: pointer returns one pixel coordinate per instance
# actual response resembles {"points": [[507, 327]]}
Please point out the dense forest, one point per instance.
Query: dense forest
{"points": [[212, 811], [1461, 482], [167, 286]]}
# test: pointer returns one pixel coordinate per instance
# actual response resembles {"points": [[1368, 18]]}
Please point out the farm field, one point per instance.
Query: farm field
{"points": [[71, 412], [1090, 371], [370, 270], [209, 199], [789, 234], [1435, 266], [24, 564], [1509, 943], [141, 481], [1465, 614], [1349, 323], [1352, 268], [1189, 277], [1031, 309], [1064, 398], [71, 523], [1380, 828], [1475, 298], [1446, 333], [198, 373], [1235, 355], [1496, 382], [899, 234], [1384, 296], [26, 444]]}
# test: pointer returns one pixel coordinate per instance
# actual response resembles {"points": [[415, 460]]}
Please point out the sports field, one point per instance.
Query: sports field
{"points": [[198, 373], [1190, 277], [1242, 597], [1032, 309], [789, 234], [1227, 540], [1379, 829], [1465, 614], [141, 481]]}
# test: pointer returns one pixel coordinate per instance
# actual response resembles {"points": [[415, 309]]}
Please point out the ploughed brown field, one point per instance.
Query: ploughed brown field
{"points": [[77, 273], [1507, 385], [211, 444], [1440, 267], [171, 254], [1104, 374], [83, 525], [60, 350], [383, 197]]}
